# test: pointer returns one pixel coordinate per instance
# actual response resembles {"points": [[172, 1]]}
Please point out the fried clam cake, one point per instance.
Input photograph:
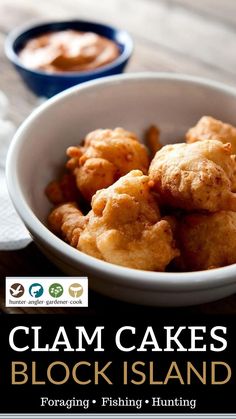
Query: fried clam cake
{"points": [[124, 226], [104, 157], [207, 240], [197, 176]]}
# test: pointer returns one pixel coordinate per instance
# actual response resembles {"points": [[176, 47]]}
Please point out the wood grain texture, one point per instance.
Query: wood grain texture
{"points": [[223, 10], [196, 37], [164, 22]]}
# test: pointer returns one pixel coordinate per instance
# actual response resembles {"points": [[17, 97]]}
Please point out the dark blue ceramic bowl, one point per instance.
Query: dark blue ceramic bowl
{"points": [[48, 84]]}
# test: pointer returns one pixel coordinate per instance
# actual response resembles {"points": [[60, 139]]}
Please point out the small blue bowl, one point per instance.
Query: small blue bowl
{"points": [[47, 84]]}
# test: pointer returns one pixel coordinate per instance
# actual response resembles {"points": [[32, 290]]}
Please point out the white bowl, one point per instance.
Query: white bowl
{"points": [[133, 101]]}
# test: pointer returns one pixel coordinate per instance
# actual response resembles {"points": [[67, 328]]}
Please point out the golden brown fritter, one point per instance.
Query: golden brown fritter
{"points": [[105, 156], [198, 176], [153, 139], [209, 128], [207, 240], [67, 221], [124, 226], [94, 174], [63, 190]]}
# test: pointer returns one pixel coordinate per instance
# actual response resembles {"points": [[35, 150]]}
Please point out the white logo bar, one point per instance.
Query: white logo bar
{"points": [[46, 292]]}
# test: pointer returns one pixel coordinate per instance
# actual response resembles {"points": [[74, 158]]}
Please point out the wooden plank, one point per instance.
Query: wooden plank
{"points": [[166, 23], [149, 58], [151, 53], [223, 10], [146, 58]]}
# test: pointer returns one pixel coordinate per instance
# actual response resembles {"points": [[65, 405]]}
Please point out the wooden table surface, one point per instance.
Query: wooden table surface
{"points": [[195, 37]]}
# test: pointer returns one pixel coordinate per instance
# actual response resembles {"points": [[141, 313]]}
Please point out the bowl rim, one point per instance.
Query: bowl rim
{"points": [[21, 30], [132, 278]]}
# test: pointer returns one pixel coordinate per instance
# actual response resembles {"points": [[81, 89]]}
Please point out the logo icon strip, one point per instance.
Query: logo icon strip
{"points": [[46, 292]]}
